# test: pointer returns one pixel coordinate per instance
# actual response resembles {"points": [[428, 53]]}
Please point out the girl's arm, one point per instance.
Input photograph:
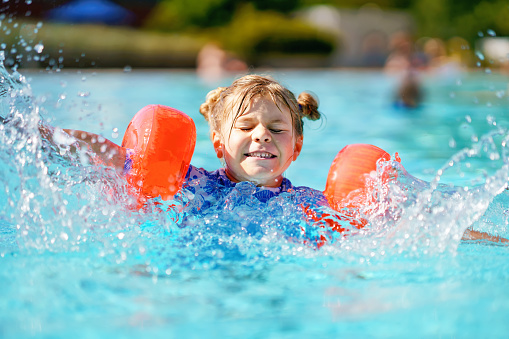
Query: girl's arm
{"points": [[99, 149], [477, 235], [107, 152]]}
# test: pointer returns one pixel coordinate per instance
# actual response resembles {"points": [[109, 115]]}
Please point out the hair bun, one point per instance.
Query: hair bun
{"points": [[308, 105], [210, 101]]}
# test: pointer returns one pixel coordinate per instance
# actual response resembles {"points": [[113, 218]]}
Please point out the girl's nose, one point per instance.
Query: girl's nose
{"points": [[261, 134]]}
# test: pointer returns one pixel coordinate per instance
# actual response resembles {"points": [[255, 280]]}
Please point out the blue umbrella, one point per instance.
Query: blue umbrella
{"points": [[92, 11]]}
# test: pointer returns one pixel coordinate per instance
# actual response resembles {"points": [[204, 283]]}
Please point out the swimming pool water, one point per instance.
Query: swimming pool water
{"points": [[76, 263]]}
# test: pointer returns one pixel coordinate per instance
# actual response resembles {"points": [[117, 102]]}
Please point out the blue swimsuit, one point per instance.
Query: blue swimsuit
{"points": [[215, 184], [302, 212]]}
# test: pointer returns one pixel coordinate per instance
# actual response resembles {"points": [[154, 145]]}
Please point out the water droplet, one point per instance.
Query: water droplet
{"points": [[114, 134], [491, 32], [480, 34], [128, 69], [452, 143], [84, 94], [28, 2], [479, 55], [39, 48]]}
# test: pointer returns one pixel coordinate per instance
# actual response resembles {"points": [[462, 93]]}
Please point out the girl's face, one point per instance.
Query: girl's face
{"points": [[260, 145]]}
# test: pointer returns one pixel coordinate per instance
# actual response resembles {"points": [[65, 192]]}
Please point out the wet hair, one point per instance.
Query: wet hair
{"points": [[221, 102]]}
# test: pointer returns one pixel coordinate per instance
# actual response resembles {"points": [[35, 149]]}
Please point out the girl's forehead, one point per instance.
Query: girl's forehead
{"points": [[264, 105]]}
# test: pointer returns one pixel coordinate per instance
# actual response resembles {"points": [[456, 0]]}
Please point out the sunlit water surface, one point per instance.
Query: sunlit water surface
{"points": [[76, 260]]}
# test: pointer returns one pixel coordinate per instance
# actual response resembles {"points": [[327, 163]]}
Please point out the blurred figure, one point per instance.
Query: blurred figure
{"points": [[436, 52], [404, 63], [214, 63], [409, 93], [438, 60], [401, 51]]}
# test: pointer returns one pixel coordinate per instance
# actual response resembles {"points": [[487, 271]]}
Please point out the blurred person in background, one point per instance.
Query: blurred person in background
{"points": [[404, 63], [213, 63], [439, 62]]}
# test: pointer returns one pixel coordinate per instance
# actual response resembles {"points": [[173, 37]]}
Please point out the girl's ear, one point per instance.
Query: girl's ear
{"points": [[298, 147], [217, 142]]}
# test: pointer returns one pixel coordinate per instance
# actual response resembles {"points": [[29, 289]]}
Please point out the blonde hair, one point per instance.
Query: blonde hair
{"points": [[220, 103]]}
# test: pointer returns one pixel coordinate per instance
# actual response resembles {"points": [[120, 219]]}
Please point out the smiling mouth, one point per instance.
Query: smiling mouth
{"points": [[264, 155]]}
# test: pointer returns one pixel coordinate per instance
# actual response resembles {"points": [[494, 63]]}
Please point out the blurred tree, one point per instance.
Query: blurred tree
{"points": [[283, 6], [253, 34], [483, 16], [400, 4], [443, 19], [467, 18], [172, 15]]}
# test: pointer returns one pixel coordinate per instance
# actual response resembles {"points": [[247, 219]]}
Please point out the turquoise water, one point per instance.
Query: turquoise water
{"points": [[75, 261]]}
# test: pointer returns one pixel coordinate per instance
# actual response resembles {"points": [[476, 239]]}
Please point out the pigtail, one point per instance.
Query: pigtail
{"points": [[211, 100], [308, 106]]}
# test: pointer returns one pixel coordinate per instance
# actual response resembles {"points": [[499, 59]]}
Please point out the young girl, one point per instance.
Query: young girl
{"points": [[256, 127]]}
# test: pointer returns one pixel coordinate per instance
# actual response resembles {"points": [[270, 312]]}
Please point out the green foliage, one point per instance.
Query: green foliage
{"points": [[485, 15], [283, 6], [385, 4], [448, 18], [256, 27], [173, 15], [253, 33]]}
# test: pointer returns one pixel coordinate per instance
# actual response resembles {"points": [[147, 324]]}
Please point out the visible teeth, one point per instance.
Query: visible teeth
{"points": [[261, 155]]}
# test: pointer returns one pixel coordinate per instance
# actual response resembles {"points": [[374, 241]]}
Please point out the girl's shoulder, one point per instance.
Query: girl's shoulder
{"points": [[198, 173]]}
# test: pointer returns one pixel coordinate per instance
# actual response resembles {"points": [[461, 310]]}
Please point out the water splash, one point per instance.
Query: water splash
{"points": [[412, 217], [57, 201], [52, 199]]}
